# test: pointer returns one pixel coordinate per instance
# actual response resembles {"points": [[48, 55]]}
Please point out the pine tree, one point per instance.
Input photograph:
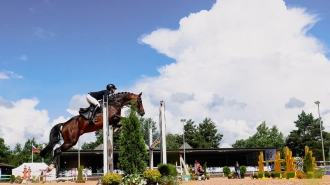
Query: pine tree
{"points": [[133, 154], [308, 166]]}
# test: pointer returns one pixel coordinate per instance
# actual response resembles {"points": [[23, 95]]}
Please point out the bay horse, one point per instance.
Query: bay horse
{"points": [[79, 125]]}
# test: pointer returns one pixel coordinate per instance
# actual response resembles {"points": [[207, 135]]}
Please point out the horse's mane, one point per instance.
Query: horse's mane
{"points": [[119, 93]]}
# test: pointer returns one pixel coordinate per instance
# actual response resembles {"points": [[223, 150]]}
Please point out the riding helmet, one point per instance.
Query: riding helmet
{"points": [[111, 86]]}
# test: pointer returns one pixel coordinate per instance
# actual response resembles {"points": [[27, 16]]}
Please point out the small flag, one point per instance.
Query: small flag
{"points": [[35, 150]]}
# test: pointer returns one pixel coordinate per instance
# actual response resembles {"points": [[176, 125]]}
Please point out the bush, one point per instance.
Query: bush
{"points": [[310, 175], [226, 170], [168, 180], [152, 175], [133, 179], [255, 176], [230, 176], [79, 178], [207, 176], [267, 174], [204, 167], [12, 178], [308, 163], [318, 173], [167, 170], [111, 179], [242, 169], [18, 180]]}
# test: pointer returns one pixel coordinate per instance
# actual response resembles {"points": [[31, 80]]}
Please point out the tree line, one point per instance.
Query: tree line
{"points": [[202, 135]]}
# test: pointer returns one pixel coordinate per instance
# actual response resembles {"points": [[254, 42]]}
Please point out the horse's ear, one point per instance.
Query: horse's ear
{"points": [[140, 94]]}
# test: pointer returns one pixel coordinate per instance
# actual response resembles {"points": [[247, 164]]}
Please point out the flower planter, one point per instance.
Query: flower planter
{"points": [[291, 175]]}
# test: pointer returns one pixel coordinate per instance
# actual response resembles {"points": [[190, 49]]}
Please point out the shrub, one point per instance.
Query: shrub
{"points": [[308, 163], [242, 169], [12, 178], [310, 175], [226, 170], [204, 167], [230, 176], [80, 169], [318, 173], [267, 174], [168, 180], [111, 179], [167, 170], [152, 175], [18, 180], [255, 176], [133, 179], [207, 176]]}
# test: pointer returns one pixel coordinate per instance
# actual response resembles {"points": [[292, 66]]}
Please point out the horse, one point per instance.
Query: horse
{"points": [[79, 125]]}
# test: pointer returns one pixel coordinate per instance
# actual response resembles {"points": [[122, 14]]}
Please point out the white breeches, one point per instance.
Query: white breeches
{"points": [[92, 100]]}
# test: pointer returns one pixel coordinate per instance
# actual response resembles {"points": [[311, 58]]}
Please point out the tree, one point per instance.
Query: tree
{"points": [[145, 122], [133, 154], [207, 134], [265, 137], [307, 134], [191, 134], [4, 151], [173, 141]]}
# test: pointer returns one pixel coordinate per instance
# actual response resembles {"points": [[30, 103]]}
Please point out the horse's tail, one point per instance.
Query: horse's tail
{"points": [[54, 137]]}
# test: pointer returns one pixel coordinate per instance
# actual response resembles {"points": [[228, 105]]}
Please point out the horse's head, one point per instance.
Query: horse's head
{"points": [[125, 98]]}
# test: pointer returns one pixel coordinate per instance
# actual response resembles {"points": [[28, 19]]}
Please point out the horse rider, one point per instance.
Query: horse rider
{"points": [[93, 97]]}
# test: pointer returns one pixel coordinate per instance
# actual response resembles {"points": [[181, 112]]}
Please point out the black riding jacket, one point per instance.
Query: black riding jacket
{"points": [[100, 94]]}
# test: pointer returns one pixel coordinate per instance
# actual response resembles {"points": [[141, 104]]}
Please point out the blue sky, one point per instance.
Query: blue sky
{"points": [[77, 47], [51, 51]]}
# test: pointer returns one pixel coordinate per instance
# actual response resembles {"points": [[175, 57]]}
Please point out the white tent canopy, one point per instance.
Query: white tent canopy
{"points": [[35, 169], [225, 145]]}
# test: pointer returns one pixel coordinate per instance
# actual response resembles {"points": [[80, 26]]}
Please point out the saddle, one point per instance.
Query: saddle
{"points": [[87, 112]]}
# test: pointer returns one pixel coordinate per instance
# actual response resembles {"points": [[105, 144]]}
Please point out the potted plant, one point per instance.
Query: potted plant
{"points": [[151, 176], [111, 179], [242, 170], [230, 176], [133, 179], [226, 170], [80, 179], [267, 174], [12, 179]]}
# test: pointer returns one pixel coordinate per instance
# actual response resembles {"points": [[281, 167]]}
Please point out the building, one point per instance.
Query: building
{"points": [[215, 157]]}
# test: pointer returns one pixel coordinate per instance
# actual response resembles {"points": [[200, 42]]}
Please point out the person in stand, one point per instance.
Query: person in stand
{"points": [[94, 97], [237, 170], [200, 171]]}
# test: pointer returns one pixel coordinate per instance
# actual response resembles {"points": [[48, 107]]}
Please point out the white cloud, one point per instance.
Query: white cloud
{"points": [[242, 61], [9, 74], [39, 32], [23, 57], [20, 121], [76, 102]]}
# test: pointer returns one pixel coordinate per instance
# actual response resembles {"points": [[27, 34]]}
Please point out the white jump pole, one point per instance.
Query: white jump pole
{"points": [[105, 134], [162, 126], [110, 146], [151, 154]]}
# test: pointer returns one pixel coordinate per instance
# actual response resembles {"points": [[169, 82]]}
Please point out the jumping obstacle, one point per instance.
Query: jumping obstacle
{"points": [[107, 140], [185, 175], [290, 162], [161, 139]]}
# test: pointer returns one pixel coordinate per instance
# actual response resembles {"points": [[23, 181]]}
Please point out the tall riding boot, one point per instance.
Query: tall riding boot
{"points": [[94, 113]]}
